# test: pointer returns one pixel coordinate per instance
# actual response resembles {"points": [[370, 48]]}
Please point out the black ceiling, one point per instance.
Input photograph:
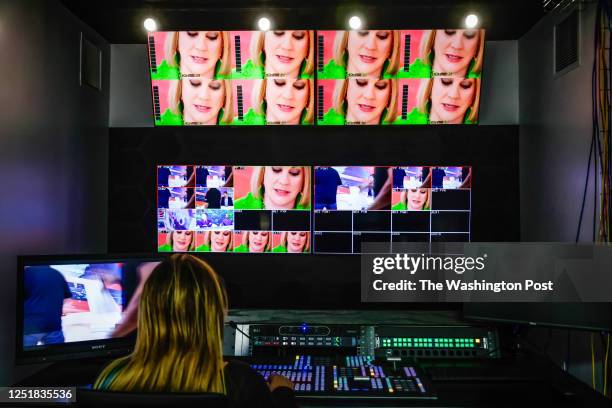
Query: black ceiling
{"points": [[120, 21]]}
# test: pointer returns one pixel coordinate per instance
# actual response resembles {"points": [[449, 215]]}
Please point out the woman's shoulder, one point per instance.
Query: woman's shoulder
{"points": [[399, 207], [166, 71], [246, 387], [109, 373], [279, 248], [164, 248], [169, 118], [248, 202]]}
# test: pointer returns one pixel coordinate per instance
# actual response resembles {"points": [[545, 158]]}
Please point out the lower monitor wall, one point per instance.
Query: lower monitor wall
{"points": [[492, 151]]}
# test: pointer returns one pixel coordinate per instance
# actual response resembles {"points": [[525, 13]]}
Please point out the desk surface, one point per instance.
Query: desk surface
{"points": [[543, 384]]}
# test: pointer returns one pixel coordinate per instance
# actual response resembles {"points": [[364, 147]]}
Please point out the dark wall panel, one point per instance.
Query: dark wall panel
{"points": [[135, 153], [53, 147]]}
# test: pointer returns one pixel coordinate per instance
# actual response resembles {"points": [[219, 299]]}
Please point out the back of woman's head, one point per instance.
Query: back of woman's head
{"points": [[180, 328], [183, 305]]}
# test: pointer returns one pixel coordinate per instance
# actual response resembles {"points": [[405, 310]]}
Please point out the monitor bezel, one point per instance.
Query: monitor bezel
{"points": [[76, 350]]}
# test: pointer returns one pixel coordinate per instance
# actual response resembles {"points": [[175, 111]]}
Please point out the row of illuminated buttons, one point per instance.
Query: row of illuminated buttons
{"points": [[296, 343], [427, 341], [429, 345], [287, 338]]}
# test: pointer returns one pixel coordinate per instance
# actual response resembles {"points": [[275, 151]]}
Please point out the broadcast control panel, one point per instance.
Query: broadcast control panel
{"points": [[389, 342], [346, 361], [348, 377]]}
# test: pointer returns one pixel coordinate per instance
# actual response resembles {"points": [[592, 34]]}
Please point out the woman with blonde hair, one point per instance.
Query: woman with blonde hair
{"points": [[255, 241], [277, 188], [199, 101], [178, 241], [216, 241], [414, 199], [288, 53], [366, 53], [293, 242], [282, 101], [447, 100], [179, 346], [366, 101], [456, 53], [204, 54]]}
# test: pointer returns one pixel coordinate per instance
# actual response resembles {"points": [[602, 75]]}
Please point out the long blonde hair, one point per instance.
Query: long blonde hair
{"points": [[175, 94], [180, 329], [171, 50], [341, 42], [427, 48], [257, 178], [424, 96], [258, 44], [339, 97], [259, 95]]}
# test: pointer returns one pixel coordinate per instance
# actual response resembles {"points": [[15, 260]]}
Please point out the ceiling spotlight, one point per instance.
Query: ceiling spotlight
{"points": [[471, 21], [264, 24], [355, 23], [150, 24]]}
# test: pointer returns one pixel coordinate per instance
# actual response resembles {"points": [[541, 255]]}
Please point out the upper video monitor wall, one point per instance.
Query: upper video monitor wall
{"points": [[368, 77], [233, 77]]}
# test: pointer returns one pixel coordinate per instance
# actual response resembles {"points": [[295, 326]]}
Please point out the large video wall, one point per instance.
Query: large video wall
{"points": [[304, 77], [299, 209]]}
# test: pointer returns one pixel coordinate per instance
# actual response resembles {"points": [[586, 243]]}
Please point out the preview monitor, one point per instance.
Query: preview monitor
{"points": [[75, 307], [252, 209], [362, 77]]}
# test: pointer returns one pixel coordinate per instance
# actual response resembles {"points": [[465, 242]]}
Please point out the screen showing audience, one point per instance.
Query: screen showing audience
{"points": [[249, 209], [363, 77], [389, 206]]}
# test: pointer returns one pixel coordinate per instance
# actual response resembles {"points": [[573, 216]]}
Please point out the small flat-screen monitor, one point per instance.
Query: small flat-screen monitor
{"points": [[71, 307]]}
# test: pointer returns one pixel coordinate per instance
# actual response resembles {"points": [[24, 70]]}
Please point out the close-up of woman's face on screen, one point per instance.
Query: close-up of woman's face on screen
{"points": [[367, 51], [296, 241], [416, 198], [258, 240], [454, 51], [199, 52], [285, 51], [282, 185], [220, 240], [366, 99], [202, 99], [451, 98], [286, 99], [181, 240]]}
